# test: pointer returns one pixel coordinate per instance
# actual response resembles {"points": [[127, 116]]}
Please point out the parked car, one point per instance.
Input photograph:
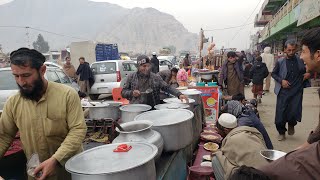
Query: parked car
{"points": [[165, 65], [9, 87], [108, 75], [172, 59], [52, 64]]}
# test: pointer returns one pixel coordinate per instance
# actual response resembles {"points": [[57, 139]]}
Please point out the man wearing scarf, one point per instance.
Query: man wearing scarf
{"points": [[69, 69], [144, 79]]}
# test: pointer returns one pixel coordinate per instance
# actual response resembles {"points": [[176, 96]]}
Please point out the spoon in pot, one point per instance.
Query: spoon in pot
{"points": [[147, 91], [118, 125]]}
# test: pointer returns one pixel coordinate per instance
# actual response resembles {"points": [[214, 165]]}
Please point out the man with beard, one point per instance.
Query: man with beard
{"points": [[144, 80], [303, 163], [48, 116], [289, 74]]}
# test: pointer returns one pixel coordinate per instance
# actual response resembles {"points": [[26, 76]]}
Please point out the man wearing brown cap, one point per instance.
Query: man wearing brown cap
{"points": [[143, 86]]}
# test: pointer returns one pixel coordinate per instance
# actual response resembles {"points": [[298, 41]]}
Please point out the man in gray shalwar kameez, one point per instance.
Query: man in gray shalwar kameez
{"points": [[290, 75]]}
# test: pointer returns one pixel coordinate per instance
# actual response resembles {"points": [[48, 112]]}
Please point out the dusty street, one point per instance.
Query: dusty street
{"points": [[310, 116]]}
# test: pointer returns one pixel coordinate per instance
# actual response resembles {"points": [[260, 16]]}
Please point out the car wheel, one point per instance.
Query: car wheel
{"points": [[94, 96]]}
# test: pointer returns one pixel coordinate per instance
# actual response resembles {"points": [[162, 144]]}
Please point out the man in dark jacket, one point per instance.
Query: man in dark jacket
{"points": [[246, 117], [85, 74], [258, 72], [135, 89], [155, 63]]}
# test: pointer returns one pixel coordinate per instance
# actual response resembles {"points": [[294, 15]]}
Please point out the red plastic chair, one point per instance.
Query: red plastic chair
{"points": [[116, 95]]}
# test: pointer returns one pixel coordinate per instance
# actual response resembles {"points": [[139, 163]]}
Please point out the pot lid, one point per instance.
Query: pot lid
{"points": [[191, 92], [172, 106], [176, 100], [135, 108], [113, 103], [102, 159], [94, 104], [165, 117]]}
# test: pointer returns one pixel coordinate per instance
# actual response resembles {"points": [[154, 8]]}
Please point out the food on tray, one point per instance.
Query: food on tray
{"points": [[207, 157], [210, 146], [208, 164], [210, 137]]}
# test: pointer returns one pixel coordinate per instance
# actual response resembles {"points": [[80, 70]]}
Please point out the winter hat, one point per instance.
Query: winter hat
{"points": [[234, 108], [142, 59], [228, 120]]}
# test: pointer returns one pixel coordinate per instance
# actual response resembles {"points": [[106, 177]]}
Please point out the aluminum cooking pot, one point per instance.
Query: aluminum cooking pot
{"points": [[129, 112], [101, 163], [174, 125], [140, 131], [193, 94], [99, 110]]}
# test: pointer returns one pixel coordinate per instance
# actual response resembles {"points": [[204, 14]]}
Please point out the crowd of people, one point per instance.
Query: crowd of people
{"points": [[244, 134], [51, 123]]}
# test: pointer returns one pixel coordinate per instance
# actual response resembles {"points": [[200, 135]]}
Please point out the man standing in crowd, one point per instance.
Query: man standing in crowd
{"points": [[268, 59], [258, 72], [170, 77], [48, 116], [186, 62], [143, 87], [69, 69], [85, 74], [289, 74], [155, 63], [232, 75]]}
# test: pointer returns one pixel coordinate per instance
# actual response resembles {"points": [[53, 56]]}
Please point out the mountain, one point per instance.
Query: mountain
{"points": [[64, 21]]}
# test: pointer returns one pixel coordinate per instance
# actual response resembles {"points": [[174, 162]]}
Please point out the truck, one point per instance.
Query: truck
{"points": [[93, 52]]}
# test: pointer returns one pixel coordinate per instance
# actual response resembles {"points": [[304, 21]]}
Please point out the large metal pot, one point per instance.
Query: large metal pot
{"points": [[99, 110], [193, 94], [140, 131], [176, 100], [129, 112], [101, 163], [174, 125]]}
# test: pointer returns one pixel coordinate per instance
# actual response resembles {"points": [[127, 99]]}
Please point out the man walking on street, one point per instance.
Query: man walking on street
{"points": [[48, 116], [86, 78], [268, 59], [232, 75], [289, 74], [69, 69], [154, 63]]}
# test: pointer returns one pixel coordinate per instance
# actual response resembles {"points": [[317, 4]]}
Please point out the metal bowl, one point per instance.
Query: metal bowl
{"points": [[272, 154]]}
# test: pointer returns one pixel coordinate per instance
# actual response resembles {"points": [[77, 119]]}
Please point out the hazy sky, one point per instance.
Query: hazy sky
{"points": [[208, 14]]}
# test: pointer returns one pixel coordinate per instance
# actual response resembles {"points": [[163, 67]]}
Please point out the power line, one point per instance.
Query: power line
{"points": [[232, 27], [41, 30], [246, 21]]}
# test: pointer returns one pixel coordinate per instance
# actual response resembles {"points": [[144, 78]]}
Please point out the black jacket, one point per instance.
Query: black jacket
{"points": [[258, 72], [85, 73], [155, 64]]}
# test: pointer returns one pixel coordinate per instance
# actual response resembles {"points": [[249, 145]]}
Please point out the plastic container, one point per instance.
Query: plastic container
{"points": [[212, 84], [202, 84]]}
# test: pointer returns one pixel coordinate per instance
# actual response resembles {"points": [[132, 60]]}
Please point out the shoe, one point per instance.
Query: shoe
{"points": [[290, 130], [281, 137]]}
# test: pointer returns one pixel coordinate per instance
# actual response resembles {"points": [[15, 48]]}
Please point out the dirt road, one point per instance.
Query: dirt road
{"points": [[310, 117]]}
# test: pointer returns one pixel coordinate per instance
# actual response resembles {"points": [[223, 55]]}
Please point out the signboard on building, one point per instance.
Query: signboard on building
{"points": [[310, 9]]}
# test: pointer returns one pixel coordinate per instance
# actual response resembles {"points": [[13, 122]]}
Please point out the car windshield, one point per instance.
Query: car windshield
{"points": [[129, 67], [104, 68], [7, 81]]}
